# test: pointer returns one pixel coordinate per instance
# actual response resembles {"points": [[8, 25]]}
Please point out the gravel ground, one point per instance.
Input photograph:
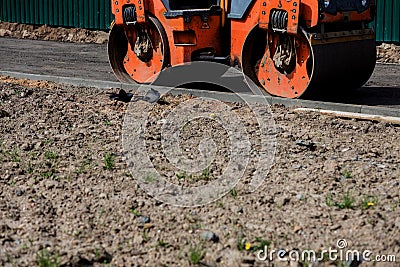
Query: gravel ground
{"points": [[68, 198], [386, 53], [47, 33]]}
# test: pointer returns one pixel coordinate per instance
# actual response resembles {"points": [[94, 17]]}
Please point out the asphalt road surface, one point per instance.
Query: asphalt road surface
{"points": [[89, 61]]}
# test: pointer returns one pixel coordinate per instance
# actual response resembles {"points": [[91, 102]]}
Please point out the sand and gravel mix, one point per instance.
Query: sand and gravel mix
{"points": [[68, 198]]}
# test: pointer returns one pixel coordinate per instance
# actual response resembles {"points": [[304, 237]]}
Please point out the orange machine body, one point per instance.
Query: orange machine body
{"points": [[185, 34]]}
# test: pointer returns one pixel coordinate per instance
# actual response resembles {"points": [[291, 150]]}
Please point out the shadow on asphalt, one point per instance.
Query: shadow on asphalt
{"points": [[368, 95]]}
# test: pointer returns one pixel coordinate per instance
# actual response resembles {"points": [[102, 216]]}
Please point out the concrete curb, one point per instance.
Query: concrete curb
{"points": [[223, 96], [64, 80]]}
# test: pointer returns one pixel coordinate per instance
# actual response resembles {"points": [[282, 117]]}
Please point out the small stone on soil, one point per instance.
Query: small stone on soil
{"points": [[209, 236], [19, 192], [144, 219]]}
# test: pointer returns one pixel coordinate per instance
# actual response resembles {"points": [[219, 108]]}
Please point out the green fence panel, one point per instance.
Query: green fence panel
{"points": [[86, 15], [91, 14], [75, 11], [71, 13], [107, 15], [387, 21], [40, 10], [80, 14], [96, 14], [51, 12], [380, 11], [10, 8], [46, 11], [387, 25], [60, 15], [396, 21], [102, 9], [3, 9], [35, 12], [31, 12], [13, 10], [18, 11]]}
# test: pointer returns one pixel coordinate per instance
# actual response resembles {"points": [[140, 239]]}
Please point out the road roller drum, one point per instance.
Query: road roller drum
{"points": [[290, 48]]}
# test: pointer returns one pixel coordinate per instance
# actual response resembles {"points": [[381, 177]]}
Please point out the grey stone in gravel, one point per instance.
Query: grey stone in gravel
{"points": [[335, 227], [297, 167], [354, 261], [144, 219], [4, 113], [46, 244], [248, 260], [152, 96], [26, 147], [19, 192], [330, 166], [15, 165], [300, 196], [282, 201], [309, 144], [25, 94], [209, 236], [38, 145]]}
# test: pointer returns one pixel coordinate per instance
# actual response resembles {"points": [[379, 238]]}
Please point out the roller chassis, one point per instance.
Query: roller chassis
{"points": [[289, 48]]}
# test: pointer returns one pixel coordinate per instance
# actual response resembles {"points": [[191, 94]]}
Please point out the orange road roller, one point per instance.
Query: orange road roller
{"points": [[290, 48]]}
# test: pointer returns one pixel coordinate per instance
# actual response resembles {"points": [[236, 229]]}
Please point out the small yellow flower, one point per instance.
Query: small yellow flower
{"points": [[369, 204], [247, 246], [212, 115]]}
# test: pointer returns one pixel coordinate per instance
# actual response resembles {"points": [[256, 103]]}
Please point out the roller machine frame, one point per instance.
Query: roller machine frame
{"points": [[290, 48]]}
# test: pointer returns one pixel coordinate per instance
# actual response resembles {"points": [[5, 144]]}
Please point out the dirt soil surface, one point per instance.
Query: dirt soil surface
{"points": [[47, 33], [67, 197], [388, 53]]}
